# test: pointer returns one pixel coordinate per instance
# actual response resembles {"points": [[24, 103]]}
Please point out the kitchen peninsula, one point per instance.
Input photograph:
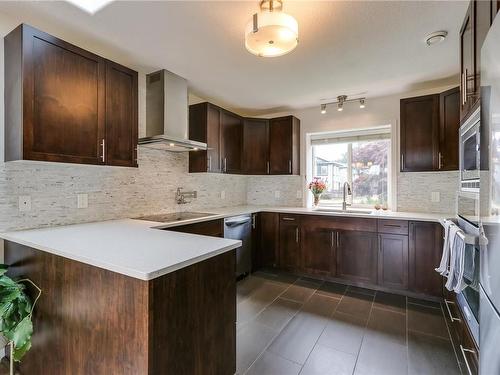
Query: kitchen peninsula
{"points": [[121, 297]]}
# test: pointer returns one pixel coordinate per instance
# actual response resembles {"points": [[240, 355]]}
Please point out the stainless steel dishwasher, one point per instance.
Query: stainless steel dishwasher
{"points": [[240, 228]]}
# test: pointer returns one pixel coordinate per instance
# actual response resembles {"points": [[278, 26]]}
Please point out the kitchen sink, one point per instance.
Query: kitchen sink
{"points": [[348, 211], [175, 216]]}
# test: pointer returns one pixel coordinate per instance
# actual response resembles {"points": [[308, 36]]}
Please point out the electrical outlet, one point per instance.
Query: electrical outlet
{"points": [[435, 196], [24, 203], [299, 194], [223, 194], [277, 194], [82, 200]]}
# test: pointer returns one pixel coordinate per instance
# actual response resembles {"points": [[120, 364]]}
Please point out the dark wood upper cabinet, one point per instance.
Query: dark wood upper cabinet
{"points": [[477, 21], [449, 123], [58, 106], [204, 126], [393, 261], [357, 256], [284, 145], [256, 146], [425, 248], [429, 132], [267, 239], [231, 143], [289, 242], [419, 133], [121, 115]]}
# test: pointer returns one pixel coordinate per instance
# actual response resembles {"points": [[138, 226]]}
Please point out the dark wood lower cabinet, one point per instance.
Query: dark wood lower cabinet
{"points": [[393, 261], [214, 228], [383, 253], [94, 321], [357, 256], [425, 249]]}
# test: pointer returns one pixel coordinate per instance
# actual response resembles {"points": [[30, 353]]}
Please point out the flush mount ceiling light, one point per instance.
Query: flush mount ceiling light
{"points": [[271, 32], [90, 6], [341, 100], [435, 37]]}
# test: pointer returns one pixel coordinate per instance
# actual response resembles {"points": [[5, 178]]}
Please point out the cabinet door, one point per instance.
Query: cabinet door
{"points": [[284, 144], [426, 245], [64, 100], [231, 142], [204, 126], [467, 61], [393, 261], [289, 244], [420, 133], [357, 256], [121, 115], [214, 228], [318, 249], [256, 146], [449, 123], [267, 239]]}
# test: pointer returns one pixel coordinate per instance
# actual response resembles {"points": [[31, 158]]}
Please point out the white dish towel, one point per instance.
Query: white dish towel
{"points": [[448, 237], [455, 275]]}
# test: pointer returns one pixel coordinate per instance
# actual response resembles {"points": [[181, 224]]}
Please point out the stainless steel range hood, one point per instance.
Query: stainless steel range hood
{"points": [[167, 113]]}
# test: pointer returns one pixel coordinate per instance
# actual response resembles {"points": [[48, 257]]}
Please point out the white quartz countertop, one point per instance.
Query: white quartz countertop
{"points": [[137, 248], [129, 247]]}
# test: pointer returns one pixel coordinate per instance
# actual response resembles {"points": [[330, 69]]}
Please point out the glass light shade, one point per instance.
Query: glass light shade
{"points": [[277, 34]]}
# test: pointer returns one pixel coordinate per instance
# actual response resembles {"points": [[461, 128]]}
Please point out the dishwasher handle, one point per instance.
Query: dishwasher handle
{"points": [[237, 222]]}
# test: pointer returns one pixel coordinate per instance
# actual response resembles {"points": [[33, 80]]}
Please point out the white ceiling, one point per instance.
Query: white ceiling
{"points": [[345, 47]]}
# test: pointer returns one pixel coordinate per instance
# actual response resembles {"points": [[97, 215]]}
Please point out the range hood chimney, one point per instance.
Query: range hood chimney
{"points": [[167, 113]]}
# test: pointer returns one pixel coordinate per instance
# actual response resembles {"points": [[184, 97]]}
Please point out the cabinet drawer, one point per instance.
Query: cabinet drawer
{"points": [[289, 218], [212, 228], [392, 226]]}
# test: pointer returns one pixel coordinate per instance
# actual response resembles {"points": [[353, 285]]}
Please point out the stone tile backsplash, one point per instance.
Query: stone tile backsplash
{"points": [[275, 190], [414, 191]]}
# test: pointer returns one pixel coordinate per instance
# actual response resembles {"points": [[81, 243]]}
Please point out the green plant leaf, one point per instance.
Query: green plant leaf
{"points": [[22, 332], [6, 281], [21, 351], [3, 269]]}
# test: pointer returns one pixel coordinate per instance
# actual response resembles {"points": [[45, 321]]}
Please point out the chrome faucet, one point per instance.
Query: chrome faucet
{"points": [[180, 196], [349, 192]]}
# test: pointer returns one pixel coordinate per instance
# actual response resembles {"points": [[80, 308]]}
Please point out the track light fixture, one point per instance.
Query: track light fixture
{"points": [[341, 99]]}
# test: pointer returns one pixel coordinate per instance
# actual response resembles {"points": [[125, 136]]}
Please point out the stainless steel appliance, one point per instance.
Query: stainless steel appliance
{"points": [[468, 211], [489, 319], [240, 228], [470, 142]]}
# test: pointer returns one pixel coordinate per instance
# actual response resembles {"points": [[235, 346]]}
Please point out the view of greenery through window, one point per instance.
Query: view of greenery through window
{"points": [[363, 164]]}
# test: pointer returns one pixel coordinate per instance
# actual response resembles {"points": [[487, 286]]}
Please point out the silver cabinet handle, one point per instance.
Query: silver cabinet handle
{"points": [[447, 304], [288, 218], [289, 166], [462, 88], [253, 221], [225, 165], [440, 160], [338, 239], [103, 146], [402, 161], [268, 168], [209, 167], [297, 234], [331, 239], [463, 350]]}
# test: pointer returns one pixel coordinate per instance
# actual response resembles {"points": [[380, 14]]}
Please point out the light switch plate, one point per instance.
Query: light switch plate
{"points": [[82, 200], [223, 194], [435, 196], [24, 203], [277, 194]]}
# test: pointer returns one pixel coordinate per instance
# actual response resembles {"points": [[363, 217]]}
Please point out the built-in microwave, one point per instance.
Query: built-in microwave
{"points": [[470, 143]]}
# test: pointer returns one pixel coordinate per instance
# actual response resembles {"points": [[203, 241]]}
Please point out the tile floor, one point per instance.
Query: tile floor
{"points": [[288, 325]]}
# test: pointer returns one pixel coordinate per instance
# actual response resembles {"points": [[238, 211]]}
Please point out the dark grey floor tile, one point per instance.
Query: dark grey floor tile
{"points": [[301, 291], [327, 361], [251, 340], [424, 302], [258, 300], [333, 290], [311, 280], [392, 302], [386, 326], [357, 289], [356, 304], [427, 320], [430, 355], [246, 286], [298, 338], [276, 276], [271, 364], [381, 357], [279, 313], [343, 332]]}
